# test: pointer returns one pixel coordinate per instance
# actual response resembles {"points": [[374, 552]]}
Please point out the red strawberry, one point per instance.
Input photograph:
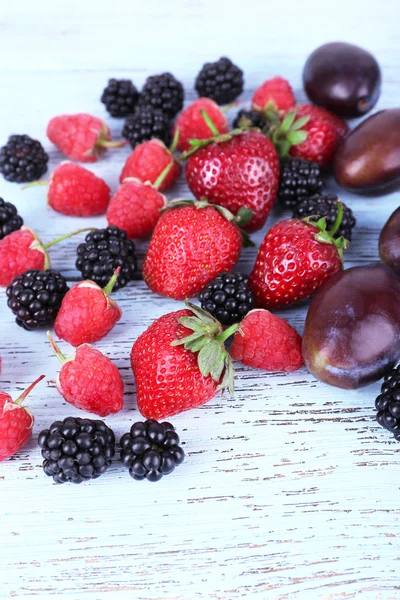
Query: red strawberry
{"points": [[81, 137], [180, 362], [148, 161], [276, 92], [240, 172], [87, 313], [267, 342], [192, 126], [308, 132], [16, 422], [135, 208], [76, 191], [22, 250], [295, 258], [191, 244], [89, 380]]}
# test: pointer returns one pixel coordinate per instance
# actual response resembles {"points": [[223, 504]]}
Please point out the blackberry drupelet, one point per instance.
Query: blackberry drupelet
{"points": [[23, 159], [388, 403], [76, 449], [222, 81], [298, 178], [227, 298], [249, 118], [9, 218], [147, 123], [163, 92], [151, 450], [326, 205], [102, 252], [35, 297], [120, 97]]}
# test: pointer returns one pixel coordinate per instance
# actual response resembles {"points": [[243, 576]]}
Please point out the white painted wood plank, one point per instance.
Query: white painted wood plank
{"points": [[289, 490]]}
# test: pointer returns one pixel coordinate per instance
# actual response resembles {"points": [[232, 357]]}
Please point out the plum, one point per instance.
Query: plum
{"points": [[368, 160], [389, 242], [352, 330], [342, 78]]}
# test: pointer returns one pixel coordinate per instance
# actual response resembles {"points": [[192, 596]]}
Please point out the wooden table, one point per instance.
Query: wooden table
{"points": [[289, 490]]}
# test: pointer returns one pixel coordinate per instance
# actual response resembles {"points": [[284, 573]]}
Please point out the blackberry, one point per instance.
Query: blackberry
{"points": [[222, 81], [76, 449], [151, 450], [120, 97], [227, 298], [326, 205], [163, 92], [9, 218], [249, 118], [35, 297], [23, 159], [147, 123], [102, 252], [299, 178], [388, 403]]}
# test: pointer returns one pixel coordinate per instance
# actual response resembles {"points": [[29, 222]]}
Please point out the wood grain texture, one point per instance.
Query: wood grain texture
{"points": [[289, 490]]}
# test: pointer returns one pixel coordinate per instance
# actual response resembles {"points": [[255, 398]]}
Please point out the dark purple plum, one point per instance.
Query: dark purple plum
{"points": [[368, 160], [352, 331], [342, 78], [389, 242]]}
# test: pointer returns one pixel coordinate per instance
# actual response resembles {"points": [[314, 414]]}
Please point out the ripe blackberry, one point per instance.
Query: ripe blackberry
{"points": [[163, 92], [102, 252], [326, 205], [23, 159], [299, 178], [147, 123], [120, 97], [222, 81], [388, 403], [76, 449], [9, 218], [35, 297], [249, 118], [227, 298], [151, 450]]}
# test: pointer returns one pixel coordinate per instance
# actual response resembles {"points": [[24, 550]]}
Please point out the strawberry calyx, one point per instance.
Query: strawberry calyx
{"points": [[208, 340], [104, 142], [241, 218], [287, 132], [327, 236]]}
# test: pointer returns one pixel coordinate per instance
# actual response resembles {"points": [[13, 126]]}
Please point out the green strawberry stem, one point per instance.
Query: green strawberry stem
{"points": [[66, 236], [338, 220], [24, 394], [102, 143], [227, 107], [35, 183], [162, 176], [175, 141], [61, 357], [207, 340], [211, 126], [109, 287]]}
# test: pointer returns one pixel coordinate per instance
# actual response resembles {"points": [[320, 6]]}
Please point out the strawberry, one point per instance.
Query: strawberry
{"points": [[276, 93], [191, 244], [236, 171], [267, 342], [308, 132], [148, 161], [16, 422], [87, 313], [76, 191], [191, 125], [81, 137], [295, 258], [22, 250], [89, 380], [180, 362], [135, 207]]}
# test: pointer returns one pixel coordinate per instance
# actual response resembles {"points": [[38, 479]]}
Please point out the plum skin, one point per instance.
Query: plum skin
{"points": [[352, 330], [389, 242]]}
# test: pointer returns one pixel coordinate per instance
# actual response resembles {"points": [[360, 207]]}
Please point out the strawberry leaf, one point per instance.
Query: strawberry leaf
{"points": [[296, 137], [287, 122], [208, 356], [300, 123]]}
